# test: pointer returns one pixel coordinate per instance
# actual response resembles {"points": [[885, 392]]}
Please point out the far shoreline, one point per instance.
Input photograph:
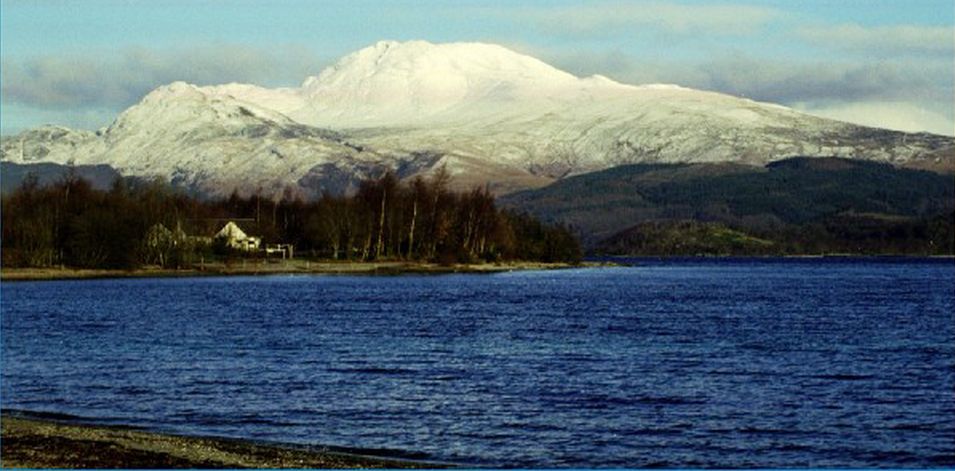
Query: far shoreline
{"points": [[397, 268], [823, 256], [282, 267]]}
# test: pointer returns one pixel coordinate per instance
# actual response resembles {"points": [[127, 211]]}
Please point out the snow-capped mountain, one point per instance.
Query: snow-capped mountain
{"points": [[489, 114]]}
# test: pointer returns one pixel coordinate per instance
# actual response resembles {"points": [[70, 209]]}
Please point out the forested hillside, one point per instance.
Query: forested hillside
{"points": [[99, 176], [799, 205]]}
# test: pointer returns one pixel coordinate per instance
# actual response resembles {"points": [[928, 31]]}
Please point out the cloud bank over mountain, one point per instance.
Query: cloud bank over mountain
{"points": [[78, 66]]}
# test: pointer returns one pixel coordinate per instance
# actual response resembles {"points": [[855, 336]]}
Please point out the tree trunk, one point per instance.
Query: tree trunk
{"points": [[381, 223], [414, 215]]}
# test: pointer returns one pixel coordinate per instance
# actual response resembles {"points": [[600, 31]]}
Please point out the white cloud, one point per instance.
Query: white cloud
{"points": [[892, 40], [901, 116], [113, 82], [773, 80], [906, 94], [791, 81]]}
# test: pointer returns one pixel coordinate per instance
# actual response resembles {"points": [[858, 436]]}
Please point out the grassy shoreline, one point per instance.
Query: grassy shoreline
{"points": [[390, 268], [279, 267], [30, 442]]}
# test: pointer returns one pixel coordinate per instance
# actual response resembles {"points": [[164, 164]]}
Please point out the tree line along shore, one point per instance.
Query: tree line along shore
{"points": [[420, 225]]}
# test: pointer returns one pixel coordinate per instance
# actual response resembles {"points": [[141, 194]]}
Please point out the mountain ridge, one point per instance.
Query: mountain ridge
{"points": [[490, 115]]}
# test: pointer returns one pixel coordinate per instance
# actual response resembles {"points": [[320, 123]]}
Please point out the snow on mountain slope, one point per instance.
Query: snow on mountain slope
{"points": [[399, 84], [209, 143], [486, 102], [49, 143], [392, 83], [488, 113]]}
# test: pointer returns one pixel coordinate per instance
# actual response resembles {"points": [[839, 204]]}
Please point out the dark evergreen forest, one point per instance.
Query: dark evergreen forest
{"points": [[136, 223], [795, 206]]}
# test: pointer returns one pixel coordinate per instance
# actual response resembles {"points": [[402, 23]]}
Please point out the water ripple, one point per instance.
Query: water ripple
{"points": [[695, 363]]}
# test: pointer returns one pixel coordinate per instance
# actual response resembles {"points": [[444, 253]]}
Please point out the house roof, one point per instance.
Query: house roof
{"points": [[231, 231]]}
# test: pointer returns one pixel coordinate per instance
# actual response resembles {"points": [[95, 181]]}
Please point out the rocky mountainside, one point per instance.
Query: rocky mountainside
{"points": [[489, 114]]}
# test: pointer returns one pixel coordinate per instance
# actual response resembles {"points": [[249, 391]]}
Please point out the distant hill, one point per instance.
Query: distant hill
{"points": [[12, 175], [683, 238], [798, 204]]}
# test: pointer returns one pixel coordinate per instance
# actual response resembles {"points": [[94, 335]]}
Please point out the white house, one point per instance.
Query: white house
{"points": [[236, 238]]}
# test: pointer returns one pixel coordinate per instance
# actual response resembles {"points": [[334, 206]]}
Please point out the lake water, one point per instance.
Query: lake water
{"points": [[727, 363]]}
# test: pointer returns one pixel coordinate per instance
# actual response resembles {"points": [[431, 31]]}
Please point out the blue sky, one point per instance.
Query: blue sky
{"points": [[880, 62]]}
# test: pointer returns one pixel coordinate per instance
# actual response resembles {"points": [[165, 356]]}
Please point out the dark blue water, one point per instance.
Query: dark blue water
{"points": [[689, 363]]}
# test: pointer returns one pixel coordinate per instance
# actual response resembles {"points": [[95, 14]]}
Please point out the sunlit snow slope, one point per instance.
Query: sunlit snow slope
{"points": [[488, 113]]}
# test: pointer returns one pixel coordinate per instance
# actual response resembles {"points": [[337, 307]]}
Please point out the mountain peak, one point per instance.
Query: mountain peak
{"points": [[418, 78], [422, 59], [174, 89]]}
